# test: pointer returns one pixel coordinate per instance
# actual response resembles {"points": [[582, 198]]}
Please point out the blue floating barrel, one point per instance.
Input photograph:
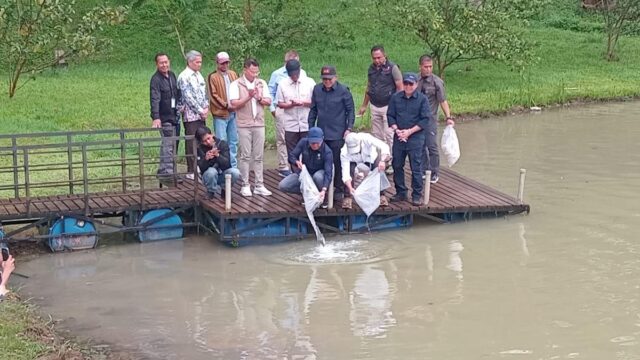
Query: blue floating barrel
{"points": [[69, 233], [170, 227]]}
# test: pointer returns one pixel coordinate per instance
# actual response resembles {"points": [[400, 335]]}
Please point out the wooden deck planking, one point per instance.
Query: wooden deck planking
{"points": [[453, 193]]}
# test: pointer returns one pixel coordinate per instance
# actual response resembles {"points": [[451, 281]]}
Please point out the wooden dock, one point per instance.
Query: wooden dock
{"points": [[114, 176]]}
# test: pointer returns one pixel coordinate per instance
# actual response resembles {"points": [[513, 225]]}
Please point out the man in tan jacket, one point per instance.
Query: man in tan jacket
{"points": [[248, 96], [224, 120]]}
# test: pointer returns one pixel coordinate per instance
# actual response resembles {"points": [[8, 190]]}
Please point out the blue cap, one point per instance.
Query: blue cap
{"points": [[410, 77], [315, 135]]}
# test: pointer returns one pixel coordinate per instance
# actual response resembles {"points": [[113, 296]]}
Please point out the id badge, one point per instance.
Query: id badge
{"points": [[173, 103]]}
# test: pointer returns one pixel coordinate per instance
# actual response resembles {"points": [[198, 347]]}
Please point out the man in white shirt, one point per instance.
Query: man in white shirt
{"points": [[361, 153], [195, 103], [248, 96], [294, 100], [277, 76]]}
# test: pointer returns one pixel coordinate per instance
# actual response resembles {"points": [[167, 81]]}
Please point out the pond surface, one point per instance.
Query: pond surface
{"points": [[560, 283]]}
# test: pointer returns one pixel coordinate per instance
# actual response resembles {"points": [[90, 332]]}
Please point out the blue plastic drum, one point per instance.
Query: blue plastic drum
{"points": [[165, 229], [72, 234]]}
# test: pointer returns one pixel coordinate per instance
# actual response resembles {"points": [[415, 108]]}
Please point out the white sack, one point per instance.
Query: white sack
{"points": [[450, 146]]}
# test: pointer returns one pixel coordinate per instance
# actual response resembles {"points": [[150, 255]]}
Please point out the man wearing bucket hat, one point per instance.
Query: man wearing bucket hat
{"points": [[361, 153], [317, 157], [408, 116]]}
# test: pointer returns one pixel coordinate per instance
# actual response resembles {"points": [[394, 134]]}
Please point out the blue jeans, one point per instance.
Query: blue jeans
{"points": [[415, 163], [291, 183], [214, 179], [227, 130]]}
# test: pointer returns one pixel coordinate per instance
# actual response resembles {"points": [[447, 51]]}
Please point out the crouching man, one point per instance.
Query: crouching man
{"points": [[360, 154], [317, 157], [214, 162]]}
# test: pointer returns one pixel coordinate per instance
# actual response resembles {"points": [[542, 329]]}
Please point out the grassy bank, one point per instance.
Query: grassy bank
{"points": [[25, 335], [105, 95]]}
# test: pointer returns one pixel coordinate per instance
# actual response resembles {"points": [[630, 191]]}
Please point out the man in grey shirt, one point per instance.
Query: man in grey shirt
{"points": [[432, 86]]}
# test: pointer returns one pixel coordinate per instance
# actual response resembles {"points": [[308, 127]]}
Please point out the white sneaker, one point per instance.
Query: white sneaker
{"points": [[189, 176], [246, 191], [261, 190]]}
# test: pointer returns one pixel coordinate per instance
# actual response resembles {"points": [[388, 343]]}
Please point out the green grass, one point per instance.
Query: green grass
{"points": [[16, 319], [105, 96]]}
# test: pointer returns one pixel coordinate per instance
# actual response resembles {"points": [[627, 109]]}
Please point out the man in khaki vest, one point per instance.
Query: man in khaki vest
{"points": [[248, 96]]}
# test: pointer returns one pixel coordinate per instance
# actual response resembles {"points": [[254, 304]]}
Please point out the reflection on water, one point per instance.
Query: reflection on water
{"points": [[561, 283]]}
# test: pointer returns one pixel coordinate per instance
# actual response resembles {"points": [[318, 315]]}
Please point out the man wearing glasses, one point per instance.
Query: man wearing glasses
{"points": [[408, 115], [224, 121], [332, 110]]}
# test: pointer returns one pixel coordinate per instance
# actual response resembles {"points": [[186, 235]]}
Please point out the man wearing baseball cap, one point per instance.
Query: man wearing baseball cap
{"points": [[360, 154], [294, 99], [408, 115], [317, 157], [332, 110], [276, 77], [224, 119]]}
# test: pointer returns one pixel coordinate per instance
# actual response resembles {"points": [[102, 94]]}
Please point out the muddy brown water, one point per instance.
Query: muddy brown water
{"points": [[560, 283]]}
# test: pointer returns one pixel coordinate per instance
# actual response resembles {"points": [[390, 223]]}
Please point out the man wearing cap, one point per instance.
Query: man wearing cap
{"points": [[248, 96], [383, 80], [408, 116], [277, 76], [224, 121], [194, 103], [317, 157], [294, 99], [433, 87], [164, 96], [332, 110], [361, 153]]}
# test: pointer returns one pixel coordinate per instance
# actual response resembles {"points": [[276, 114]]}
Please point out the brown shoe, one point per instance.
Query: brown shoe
{"points": [[346, 203], [383, 201]]}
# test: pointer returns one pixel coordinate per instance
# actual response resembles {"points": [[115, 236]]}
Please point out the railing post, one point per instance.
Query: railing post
{"points": [[227, 192], [427, 186], [27, 190], [123, 162], [331, 189], [85, 180], [523, 174], [16, 189], [141, 165], [70, 162]]}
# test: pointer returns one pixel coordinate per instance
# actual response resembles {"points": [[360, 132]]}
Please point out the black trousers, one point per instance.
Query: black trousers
{"points": [[336, 146]]}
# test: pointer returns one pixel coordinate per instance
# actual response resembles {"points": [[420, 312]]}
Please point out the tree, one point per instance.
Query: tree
{"points": [[465, 30], [38, 34], [617, 16]]}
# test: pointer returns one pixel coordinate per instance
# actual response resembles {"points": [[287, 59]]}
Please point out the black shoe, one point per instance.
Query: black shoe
{"points": [[325, 204], [417, 202], [399, 197]]}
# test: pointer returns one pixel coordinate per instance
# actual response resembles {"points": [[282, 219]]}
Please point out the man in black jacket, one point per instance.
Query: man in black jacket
{"points": [[317, 157], [332, 110], [164, 94], [214, 162]]}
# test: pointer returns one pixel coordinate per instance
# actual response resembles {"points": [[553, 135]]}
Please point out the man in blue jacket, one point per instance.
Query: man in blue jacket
{"points": [[408, 115], [316, 155]]}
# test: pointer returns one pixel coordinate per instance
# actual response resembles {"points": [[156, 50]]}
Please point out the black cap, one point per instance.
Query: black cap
{"points": [[293, 67], [328, 72], [410, 78]]}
